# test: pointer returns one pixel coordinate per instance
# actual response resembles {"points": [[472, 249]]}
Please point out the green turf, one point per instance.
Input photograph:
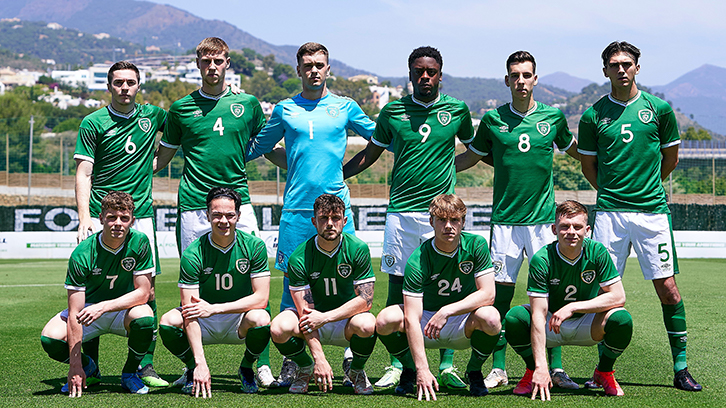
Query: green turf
{"points": [[31, 292]]}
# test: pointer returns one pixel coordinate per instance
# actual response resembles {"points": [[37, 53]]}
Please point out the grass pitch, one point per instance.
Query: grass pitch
{"points": [[31, 292]]}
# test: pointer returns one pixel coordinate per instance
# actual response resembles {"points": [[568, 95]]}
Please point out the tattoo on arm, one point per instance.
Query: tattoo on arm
{"points": [[365, 291], [308, 296]]}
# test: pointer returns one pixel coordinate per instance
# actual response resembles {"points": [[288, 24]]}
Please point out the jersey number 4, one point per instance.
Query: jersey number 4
{"points": [[218, 127]]}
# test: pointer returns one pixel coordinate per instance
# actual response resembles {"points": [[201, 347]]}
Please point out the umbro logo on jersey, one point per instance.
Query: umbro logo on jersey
{"points": [[554, 282], [145, 124], [406, 117], [588, 276], [315, 275], [111, 132], [389, 260], [344, 270], [128, 263], [207, 270], [606, 121], [504, 129], [435, 276], [237, 109], [243, 265], [332, 111], [444, 117], [645, 115], [198, 113], [466, 267], [96, 271], [543, 128]]}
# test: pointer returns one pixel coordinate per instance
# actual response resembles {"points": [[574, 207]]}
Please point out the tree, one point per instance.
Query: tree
{"points": [[292, 85], [268, 61], [692, 134], [283, 72], [240, 64]]}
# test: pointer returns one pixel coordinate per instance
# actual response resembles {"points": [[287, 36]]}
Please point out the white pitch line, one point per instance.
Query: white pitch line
{"points": [[31, 285]]}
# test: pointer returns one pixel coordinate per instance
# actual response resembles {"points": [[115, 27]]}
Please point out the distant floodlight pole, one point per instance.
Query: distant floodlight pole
{"points": [[30, 155]]}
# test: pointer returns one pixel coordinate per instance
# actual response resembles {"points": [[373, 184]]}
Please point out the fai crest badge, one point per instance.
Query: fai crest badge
{"points": [[466, 267], [645, 115], [588, 276], [145, 124], [332, 111], [444, 117], [389, 260], [128, 263], [242, 265], [497, 266], [344, 270], [543, 128], [237, 109]]}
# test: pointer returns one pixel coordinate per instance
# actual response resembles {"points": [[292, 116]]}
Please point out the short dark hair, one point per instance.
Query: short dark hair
{"points": [[212, 45], [570, 208], [117, 201], [519, 57], [447, 206], [426, 52], [121, 65], [616, 47], [327, 204], [311, 48], [223, 192]]}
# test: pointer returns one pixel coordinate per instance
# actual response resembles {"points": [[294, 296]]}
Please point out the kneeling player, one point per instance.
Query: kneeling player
{"points": [[108, 283], [448, 289], [565, 307], [331, 282], [225, 284]]}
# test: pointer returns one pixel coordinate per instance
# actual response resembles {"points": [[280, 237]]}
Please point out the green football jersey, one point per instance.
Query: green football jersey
{"points": [[223, 275], [627, 138], [121, 148], [104, 273], [522, 146], [331, 277], [422, 137], [562, 281], [442, 279], [213, 133]]}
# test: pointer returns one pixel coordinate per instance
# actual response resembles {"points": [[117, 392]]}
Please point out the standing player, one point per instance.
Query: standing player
{"points": [[448, 295], [115, 151], [629, 144], [314, 124], [225, 286], [332, 281], [108, 283], [520, 137], [421, 128], [576, 297]]}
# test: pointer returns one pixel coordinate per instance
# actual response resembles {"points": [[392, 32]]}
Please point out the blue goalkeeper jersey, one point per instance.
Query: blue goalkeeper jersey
{"points": [[316, 135]]}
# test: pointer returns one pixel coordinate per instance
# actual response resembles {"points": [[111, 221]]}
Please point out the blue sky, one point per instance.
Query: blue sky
{"points": [[475, 37]]}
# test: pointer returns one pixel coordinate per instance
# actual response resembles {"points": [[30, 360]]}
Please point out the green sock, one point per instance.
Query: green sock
{"points": [[396, 362], [90, 348], [149, 356], [141, 331], [176, 341], [294, 349], [56, 349], [257, 339], [618, 332], [447, 359], [264, 358], [482, 346], [519, 321], [397, 345], [674, 317], [362, 347], [502, 302], [554, 355]]}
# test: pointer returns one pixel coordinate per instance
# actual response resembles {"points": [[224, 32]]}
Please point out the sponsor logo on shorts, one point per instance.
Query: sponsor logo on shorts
{"points": [[444, 117], [344, 270], [332, 111], [237, 109], [315, 275], [389, 260], [554, 282], [145, 124], [96, 271], [665, 267], [504, 129], [543, 128], [243, 265], [466, 267], [128, 263], [645, 115], [207, 270], [588, 276]]}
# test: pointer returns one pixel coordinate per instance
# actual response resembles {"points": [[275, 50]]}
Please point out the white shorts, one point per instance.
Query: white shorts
{"points": [[452, 336], [650, 235], [403, 234], [145, 225], [573, 332], [221, 328], [333, 333], [511, 242], [109, 322], [193, 224]]}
